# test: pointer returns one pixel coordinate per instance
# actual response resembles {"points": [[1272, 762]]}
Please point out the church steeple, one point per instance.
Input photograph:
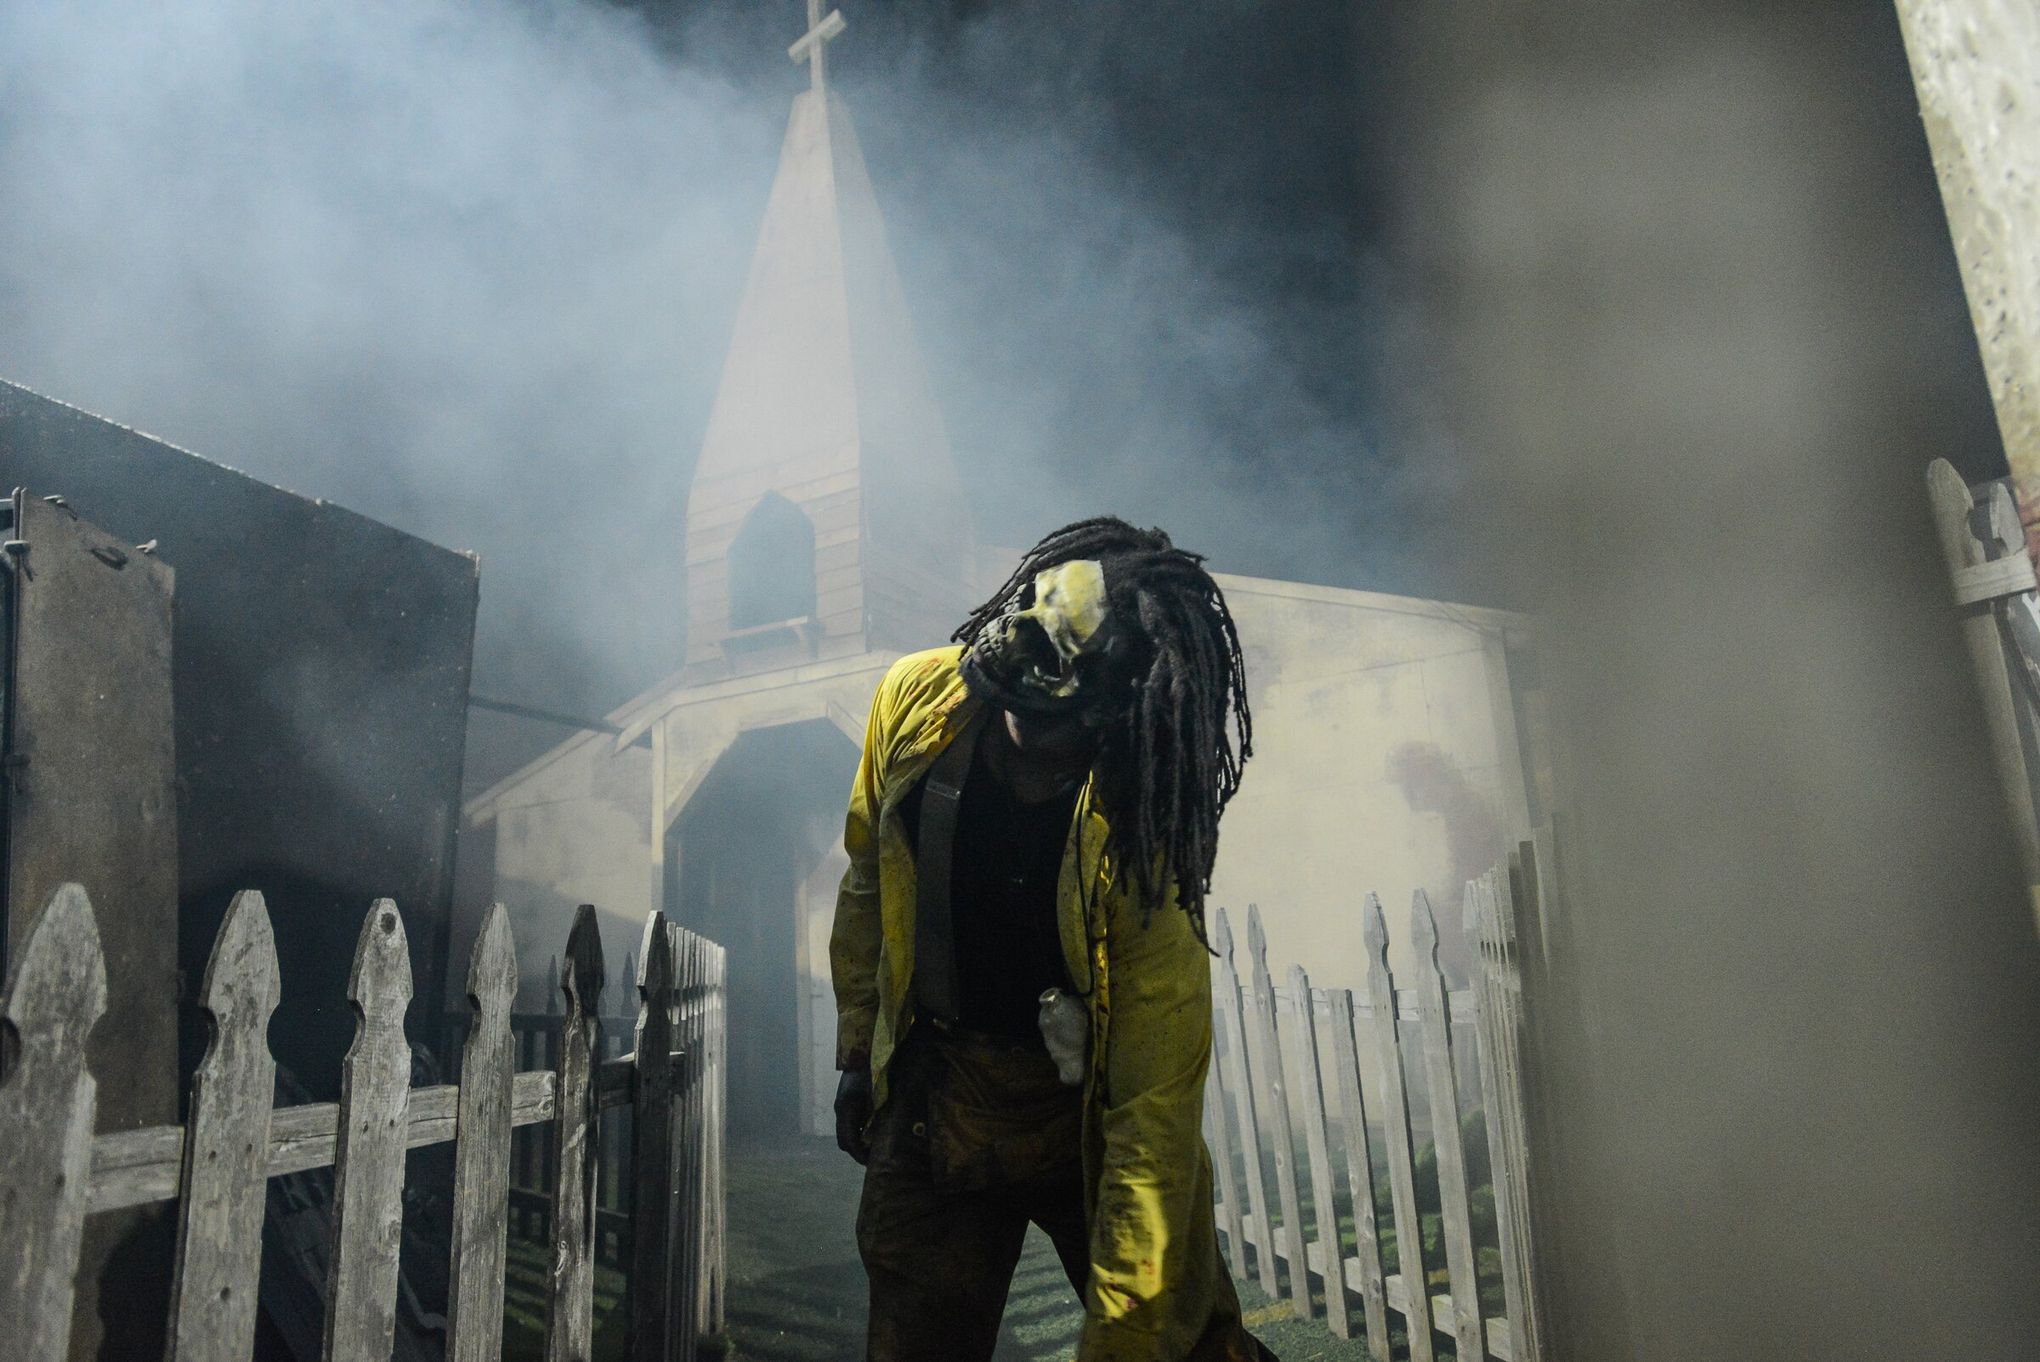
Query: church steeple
{"points": [[824, 414]]}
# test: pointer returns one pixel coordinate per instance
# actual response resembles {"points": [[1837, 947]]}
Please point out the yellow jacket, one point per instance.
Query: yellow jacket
{"points": [[1154, 1247]]}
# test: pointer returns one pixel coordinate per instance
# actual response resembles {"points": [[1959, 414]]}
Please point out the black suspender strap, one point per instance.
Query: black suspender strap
{"points": [[934, 929]]}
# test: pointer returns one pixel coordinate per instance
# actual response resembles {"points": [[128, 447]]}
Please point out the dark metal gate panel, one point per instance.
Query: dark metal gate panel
{"points": [[90, 760]]}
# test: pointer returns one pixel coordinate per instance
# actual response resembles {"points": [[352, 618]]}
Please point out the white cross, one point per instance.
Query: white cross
{"points": [[820, 30]]}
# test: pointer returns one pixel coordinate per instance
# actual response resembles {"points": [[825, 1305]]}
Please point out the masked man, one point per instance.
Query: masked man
{"points": [[1022, 982]]}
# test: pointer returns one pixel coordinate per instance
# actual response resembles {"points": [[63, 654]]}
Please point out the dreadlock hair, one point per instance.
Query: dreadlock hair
{"points": [[1168, 759]]}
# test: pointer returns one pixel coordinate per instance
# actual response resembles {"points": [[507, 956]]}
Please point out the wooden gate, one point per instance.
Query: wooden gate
{"points": [[217, 1165]]}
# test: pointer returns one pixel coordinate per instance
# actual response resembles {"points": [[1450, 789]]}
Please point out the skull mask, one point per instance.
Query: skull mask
{"points": [[1046, 652]]}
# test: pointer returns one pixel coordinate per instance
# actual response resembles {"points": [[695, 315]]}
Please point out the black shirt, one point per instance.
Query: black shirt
{"points": [[1004, 873]]}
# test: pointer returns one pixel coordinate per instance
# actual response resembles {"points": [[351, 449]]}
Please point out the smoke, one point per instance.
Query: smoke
{"points": [[1692, 296], [471, 269], [444, 264]]}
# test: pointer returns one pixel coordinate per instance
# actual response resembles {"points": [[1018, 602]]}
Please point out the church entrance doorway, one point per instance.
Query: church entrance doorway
{"points": [[747, 862]]}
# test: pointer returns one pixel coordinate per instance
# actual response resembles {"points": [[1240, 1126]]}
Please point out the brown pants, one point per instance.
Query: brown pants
{"points": [[976, 1142]]}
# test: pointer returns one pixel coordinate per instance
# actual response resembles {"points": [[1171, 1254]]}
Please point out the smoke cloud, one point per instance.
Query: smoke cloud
{"points": [[1690, 281], [471, 269]]}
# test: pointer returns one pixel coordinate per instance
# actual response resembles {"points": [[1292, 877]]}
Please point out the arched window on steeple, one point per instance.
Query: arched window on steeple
{"points": [[772, 565]]}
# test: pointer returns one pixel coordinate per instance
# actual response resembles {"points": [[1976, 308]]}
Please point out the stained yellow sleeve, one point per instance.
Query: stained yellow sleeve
{"points": [[858, 931], [1153, 1244]]}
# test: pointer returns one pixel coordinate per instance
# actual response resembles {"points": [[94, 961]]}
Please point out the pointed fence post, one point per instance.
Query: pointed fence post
{"points": [[1434, 1012], [1359, 1174], [368, 1170], [547, 1154], [570, 1317], [1239, 1080], [684, 1289], [1324, 1197], [715, 1274], [1501, 1100], [1273, 1090], [47, 1100], [1402, 1178], [651, 1155], [225, 1184], [482, 1157]]}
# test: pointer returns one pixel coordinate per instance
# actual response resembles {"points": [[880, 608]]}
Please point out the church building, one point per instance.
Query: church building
{"points": [[827, 534]]}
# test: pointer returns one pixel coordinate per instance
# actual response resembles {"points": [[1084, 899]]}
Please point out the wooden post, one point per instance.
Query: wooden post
{"points": [[1402, 1181], [55, 992], [1434, 1012], [570, 1317], [1359, 1174], [224, 1186], [651, 1156], [482, 1157], [1273, 1089], [368, 1170], [1240, 1081], [1324, 1195]]}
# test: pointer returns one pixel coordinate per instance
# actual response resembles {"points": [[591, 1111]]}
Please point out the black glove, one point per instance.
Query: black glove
{"points": [[853, 1111]]}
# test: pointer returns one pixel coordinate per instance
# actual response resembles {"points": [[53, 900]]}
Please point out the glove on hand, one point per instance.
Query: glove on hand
{"points": [[853, 1112]]}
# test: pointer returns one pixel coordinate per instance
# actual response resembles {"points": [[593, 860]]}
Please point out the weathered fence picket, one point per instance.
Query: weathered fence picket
{"points": [[696, 1114], [1442, 1082], [1236, 1077], [56, 1172], [46, 1107], [1499, 1007], [687, 1114], [1326, 1255], [213, 1293], [714, 1265], [368, 1166], [570, 1320], [651, 1155], [474, 1315], [1359, 1175], [1271, 1095], [1409, 1279]]}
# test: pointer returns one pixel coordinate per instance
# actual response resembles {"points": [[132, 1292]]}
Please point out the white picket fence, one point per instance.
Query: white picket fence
{"points": [[1289, 1060], [55, 1171]]}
